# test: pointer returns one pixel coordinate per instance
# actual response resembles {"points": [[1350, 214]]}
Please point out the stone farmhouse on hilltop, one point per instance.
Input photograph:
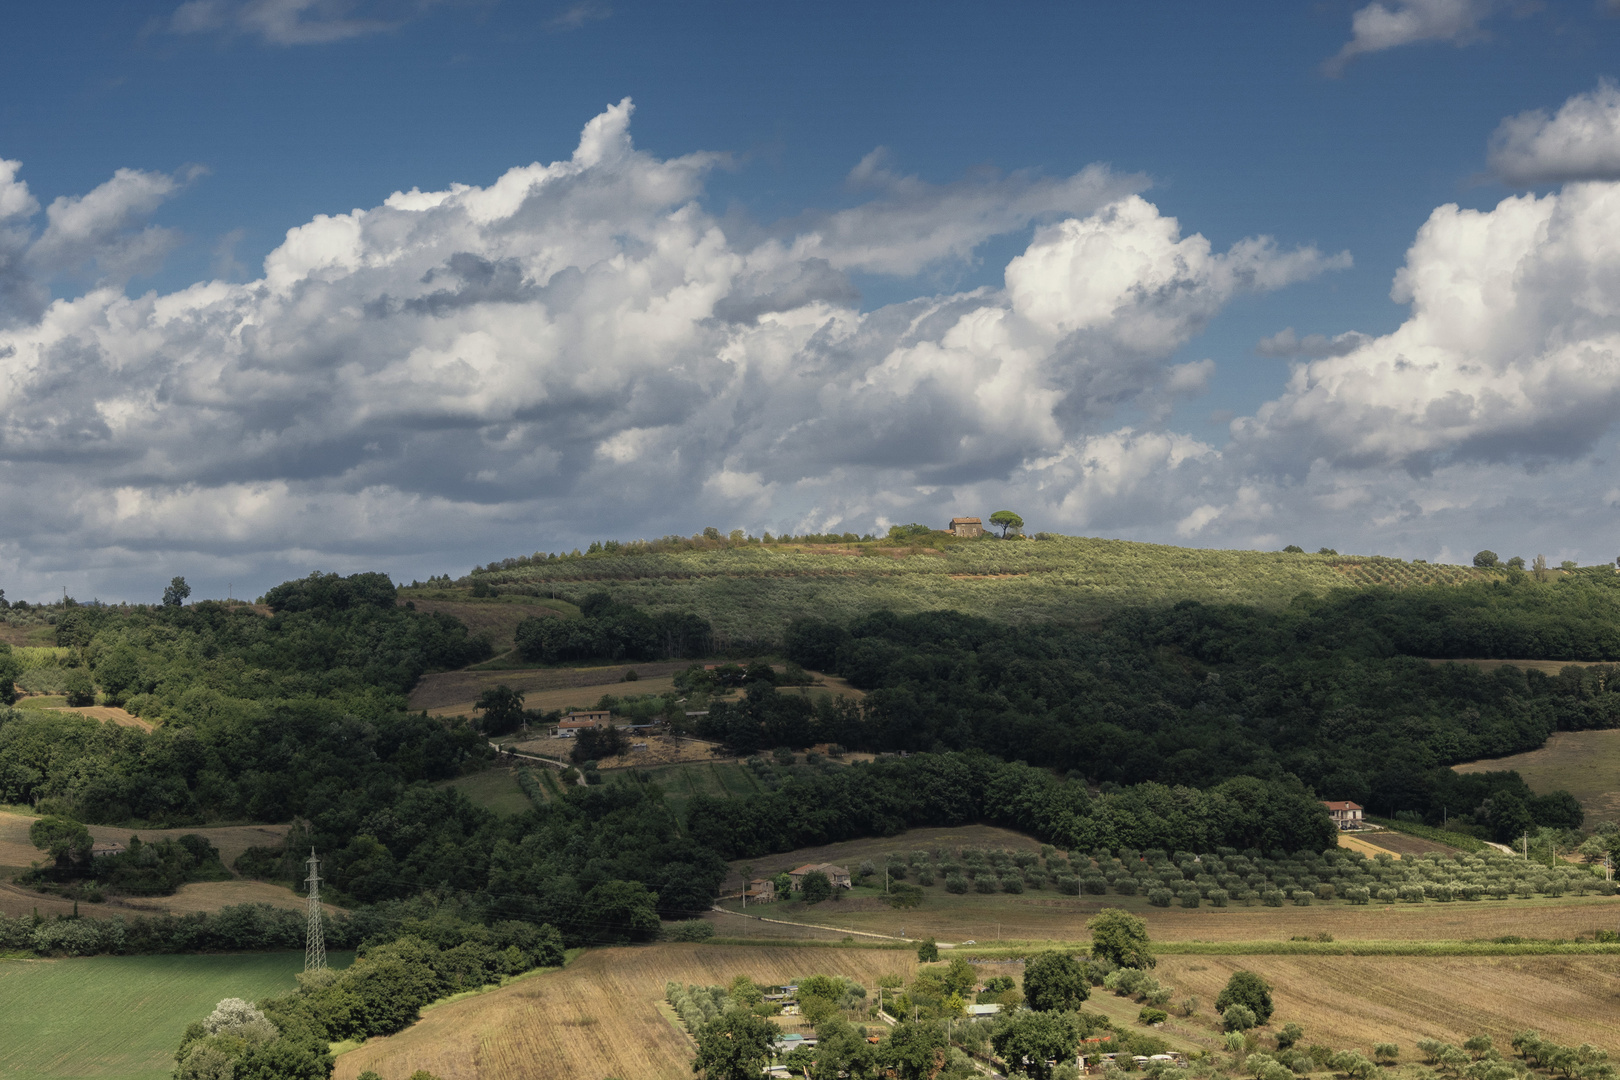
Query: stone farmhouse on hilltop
{"points": [[967, 527]]}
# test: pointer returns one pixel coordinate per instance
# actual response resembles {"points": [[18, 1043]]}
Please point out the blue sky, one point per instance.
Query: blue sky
{"points": [[239, 120]]}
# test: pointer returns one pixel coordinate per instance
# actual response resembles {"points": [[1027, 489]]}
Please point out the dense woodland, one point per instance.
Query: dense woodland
{"points": [[1184, 728], [1331, 691]]}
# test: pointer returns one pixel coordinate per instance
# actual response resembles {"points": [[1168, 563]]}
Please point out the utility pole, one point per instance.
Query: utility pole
{"points": [[314, 941]]}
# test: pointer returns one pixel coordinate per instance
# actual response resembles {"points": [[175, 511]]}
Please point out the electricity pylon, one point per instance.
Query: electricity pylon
{"points": [[314, 941]]}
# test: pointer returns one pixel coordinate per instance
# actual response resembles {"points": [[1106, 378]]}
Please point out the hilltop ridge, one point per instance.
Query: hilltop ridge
{"points": [[750, 589]]}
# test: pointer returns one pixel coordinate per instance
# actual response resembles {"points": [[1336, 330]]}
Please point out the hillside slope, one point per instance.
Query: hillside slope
{"points": [[749, 591]]}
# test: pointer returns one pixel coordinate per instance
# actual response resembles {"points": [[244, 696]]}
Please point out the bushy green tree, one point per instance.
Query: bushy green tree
{"points": [[815, 887], [1055, 981], [1120, 938], [734, 1046], [502, 707], [176, 593], [1027, 1040], [1249, 990]]}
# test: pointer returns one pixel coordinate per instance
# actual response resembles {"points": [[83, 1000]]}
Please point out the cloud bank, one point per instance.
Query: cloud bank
{"points": [[581, 349]]}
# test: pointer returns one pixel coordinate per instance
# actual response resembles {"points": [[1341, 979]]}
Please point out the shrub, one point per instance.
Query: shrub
{"points": [[985, 883], [1218, 897], [1272, 898], [1190, 898], [1302, 897], [1324, 891], [1289, 1035], [1358, 894], [1012, 883], [956, 883], [1160, 897], [1386, 1052], [1151, 1016], [1388, 896], [1068, 885], [1094, 885], [1238, 1018], [1125, 886], [925, 877], [688, 930]]}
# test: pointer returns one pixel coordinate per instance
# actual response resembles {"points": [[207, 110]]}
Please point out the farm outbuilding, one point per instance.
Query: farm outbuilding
{"points": [[967, 527]]}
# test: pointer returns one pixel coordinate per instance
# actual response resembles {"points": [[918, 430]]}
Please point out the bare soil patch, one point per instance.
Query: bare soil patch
{"points": [[1397, 844]]}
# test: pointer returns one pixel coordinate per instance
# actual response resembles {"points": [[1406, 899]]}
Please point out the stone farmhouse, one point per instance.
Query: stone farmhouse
{"points": [[838, 875], [968, 527]]}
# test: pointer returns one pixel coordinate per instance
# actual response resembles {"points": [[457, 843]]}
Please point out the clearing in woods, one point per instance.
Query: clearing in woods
{"points": [[495, 620], [1584, 763], [495, 789], [455, 691], [120, 1017]]}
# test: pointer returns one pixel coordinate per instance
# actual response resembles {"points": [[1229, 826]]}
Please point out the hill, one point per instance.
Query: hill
{"points": [[750, 590]]}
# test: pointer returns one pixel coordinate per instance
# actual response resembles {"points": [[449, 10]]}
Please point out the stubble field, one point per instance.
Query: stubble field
{"points": [[597, 1017]]}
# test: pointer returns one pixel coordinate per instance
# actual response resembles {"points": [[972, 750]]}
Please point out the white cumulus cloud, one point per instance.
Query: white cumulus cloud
{"points": [[1580, 142], [1380, 26]]}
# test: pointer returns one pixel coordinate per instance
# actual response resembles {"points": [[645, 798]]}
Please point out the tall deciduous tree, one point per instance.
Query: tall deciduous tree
{"points": [[176, 593], [1121, 938], [502, 708]]}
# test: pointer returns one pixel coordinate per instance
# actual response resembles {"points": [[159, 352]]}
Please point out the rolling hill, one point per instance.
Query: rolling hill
{"points": [[749, 590]]}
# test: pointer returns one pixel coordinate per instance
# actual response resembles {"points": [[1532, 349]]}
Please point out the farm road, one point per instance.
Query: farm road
{"points": [[824, 929]]}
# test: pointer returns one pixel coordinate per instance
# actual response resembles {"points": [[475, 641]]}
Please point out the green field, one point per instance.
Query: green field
{"points": [[121, 1016], [1583, 763], [749, 592], [718, 780], [496, 790]]}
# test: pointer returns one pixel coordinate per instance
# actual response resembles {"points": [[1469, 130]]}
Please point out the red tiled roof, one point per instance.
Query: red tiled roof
{"points": [[1331, 805]]}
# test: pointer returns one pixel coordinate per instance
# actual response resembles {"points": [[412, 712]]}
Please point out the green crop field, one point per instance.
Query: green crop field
{"points": [[121, 1016], [750, 591]]}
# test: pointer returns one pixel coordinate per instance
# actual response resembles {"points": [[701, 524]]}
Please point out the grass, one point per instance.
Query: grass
{"points": [[1430, 838], [121, 1016], [1583, 763], [750, 593], [495, 789]]}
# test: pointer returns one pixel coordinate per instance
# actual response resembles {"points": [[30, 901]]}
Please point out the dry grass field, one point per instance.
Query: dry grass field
{"points": [[601, 1017], [597, 1017], [1584, 763], [1348, 1001]]}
